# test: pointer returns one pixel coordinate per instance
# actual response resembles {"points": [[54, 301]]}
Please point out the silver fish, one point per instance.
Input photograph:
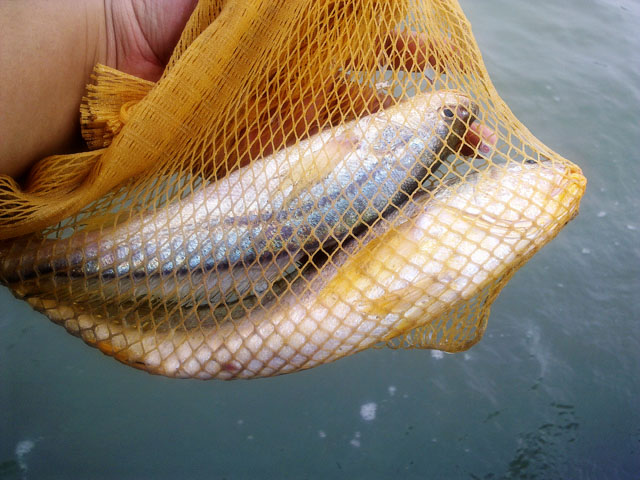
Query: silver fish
{"points": [[441, 250], [244, 230]]}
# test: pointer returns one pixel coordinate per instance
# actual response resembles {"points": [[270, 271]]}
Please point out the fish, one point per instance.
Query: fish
{"points": [[442, 249], [243, 231]]}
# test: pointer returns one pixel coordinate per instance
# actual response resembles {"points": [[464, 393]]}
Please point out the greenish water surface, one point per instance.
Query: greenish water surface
{"points": [[551, 392]]}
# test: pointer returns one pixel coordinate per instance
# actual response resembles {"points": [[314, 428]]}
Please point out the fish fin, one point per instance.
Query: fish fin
{"points": [[399, 300]]}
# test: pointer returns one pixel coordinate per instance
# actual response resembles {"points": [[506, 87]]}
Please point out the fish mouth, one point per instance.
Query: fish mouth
{"points": [[572, 177], [570, 191]]}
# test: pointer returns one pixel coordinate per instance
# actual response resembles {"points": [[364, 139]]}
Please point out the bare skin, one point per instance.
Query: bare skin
{"points": [[48, 51]]}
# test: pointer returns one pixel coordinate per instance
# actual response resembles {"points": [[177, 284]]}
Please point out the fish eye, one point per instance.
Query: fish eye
{"points": [[447, 113]]}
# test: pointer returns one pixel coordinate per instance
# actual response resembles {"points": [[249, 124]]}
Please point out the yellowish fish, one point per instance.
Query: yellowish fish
{"points": [[450, 245]]}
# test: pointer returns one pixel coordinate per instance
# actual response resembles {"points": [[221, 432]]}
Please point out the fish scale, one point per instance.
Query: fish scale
{"points": [[387, 155], [399, 277]]}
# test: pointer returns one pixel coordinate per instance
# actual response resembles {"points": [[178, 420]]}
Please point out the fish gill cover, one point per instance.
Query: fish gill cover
{"points": [[308, 179]]}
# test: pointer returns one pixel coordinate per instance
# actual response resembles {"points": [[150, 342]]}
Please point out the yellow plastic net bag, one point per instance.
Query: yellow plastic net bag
{"points": [[301, 184]]}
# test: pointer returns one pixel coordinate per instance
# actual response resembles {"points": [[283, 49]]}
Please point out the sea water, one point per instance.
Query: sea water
{"points": [[551, 392]]}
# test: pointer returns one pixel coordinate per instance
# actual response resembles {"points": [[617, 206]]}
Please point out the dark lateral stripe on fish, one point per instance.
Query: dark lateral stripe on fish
{"points": [[377, 175]]}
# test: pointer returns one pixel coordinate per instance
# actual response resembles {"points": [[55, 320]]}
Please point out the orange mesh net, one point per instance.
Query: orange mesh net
{"points": [[301, 184]]}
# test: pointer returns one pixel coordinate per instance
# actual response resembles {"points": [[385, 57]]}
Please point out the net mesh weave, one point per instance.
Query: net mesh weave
{"points": [[292, 190]]}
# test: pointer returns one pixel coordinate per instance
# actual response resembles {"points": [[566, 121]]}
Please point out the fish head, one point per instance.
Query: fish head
{"points": [[531, 200], [449, 114], [464, 236]]}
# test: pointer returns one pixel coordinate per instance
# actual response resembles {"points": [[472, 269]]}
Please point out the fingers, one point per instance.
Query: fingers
{"points": [[286, 121], [333, 106], [336, 101], [478, 141], [415, 52], [409, 51]]}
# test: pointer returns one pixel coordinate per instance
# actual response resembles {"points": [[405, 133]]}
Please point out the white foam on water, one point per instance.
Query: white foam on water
{"points": [[322, 434], [368, 411], [355, 442], [23, 448], [437, 354], [392, 390]]}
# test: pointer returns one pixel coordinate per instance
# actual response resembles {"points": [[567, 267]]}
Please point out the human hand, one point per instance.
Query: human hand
{"points": [[293, 119], [48, 51], [42, 96], [141, 34]]}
